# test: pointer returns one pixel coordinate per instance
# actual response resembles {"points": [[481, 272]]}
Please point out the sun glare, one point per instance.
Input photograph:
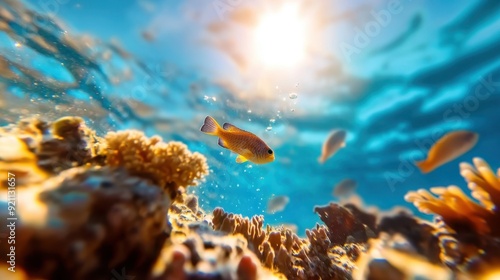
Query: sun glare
{"points": [[280, 37]]}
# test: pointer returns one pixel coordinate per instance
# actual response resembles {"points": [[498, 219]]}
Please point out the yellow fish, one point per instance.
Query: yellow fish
{"points": [[448, 148], [247, 145]]}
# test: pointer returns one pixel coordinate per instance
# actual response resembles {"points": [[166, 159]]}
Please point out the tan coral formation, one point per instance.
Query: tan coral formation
{"points": [[42, 148], [169, 165], [283, 251], [195, 251]]}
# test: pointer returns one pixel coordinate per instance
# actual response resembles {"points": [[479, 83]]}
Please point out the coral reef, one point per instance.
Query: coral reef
{"points": [[169, 165], [101, 208], [113, 203], [472, 227], [195, 251], [353, 244], [317, 257]]}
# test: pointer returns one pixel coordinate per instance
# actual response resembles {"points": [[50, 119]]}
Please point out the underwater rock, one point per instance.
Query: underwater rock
{"points": [[169, 165], [346, 224], [420, 234], [43, 147], [100, 219], [474, 225]]}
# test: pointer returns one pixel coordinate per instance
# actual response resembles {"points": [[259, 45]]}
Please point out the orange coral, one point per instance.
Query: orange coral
{"points": [[470, 227], [169, 165], [459, 211]]}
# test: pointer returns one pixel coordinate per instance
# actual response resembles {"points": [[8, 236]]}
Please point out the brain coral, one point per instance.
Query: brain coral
{"points": [[169, 165]]}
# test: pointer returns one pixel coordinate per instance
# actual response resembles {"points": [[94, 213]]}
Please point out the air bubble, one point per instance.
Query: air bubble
{"points": [[293, 95]]}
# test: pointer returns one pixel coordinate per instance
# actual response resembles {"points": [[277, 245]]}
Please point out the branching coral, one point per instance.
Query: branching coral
{"points": [[169, 165], [280, 249], [474, 225]]}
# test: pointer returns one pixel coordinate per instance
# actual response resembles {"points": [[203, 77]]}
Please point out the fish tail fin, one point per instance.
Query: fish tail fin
{"points": [[424, 166], [321, 160], [210, 126]]}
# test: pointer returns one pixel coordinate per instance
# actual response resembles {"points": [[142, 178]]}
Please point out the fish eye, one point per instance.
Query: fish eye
{"points": [[270, 151]]}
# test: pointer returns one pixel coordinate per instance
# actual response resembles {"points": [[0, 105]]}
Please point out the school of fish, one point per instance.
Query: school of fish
{"points": [[250, 147]]}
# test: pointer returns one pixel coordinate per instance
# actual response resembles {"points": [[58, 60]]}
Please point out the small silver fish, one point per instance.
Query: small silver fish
{"points": [[277, 204], [335, 141], [344, 188]]}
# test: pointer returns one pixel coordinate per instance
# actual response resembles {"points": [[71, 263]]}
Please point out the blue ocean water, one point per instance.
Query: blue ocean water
{"points": [[396, 75]]}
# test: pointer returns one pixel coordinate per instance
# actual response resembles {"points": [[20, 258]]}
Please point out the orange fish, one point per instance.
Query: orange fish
{"points": [[247, 145], [448, 148]]}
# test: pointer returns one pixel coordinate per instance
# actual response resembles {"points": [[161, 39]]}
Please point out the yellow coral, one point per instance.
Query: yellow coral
{"points": [[170, 165], [456, 208]]}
